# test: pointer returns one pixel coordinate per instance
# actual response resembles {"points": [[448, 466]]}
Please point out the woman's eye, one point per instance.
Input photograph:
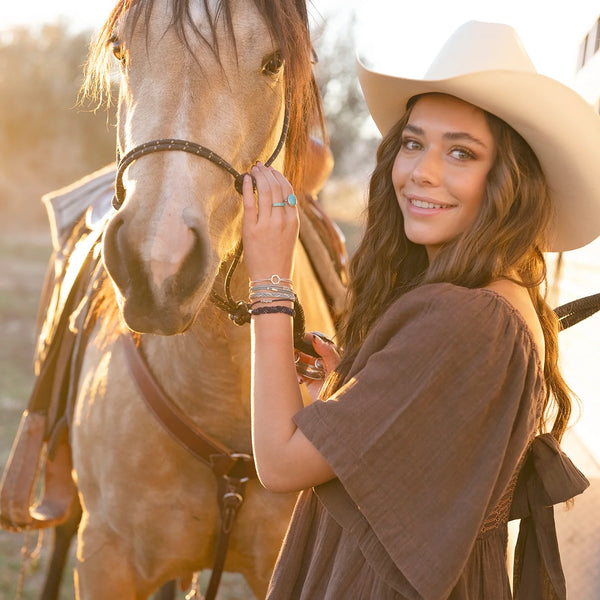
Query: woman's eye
{"points": [[273, 64], [410, 144], [462, 153]]}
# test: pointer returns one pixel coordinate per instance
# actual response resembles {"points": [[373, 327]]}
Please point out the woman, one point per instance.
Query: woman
{"points": [[425, 442]]}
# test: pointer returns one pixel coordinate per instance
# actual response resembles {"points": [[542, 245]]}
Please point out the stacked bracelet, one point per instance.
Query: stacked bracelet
{"points": [[266, 310], [274, 289]]}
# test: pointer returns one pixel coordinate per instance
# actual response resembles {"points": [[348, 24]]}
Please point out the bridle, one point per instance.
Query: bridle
{"points": [[168, 145], [239, 312]]}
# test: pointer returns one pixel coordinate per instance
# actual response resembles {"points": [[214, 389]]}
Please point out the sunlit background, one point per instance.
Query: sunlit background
{"points": [[44, 42]]}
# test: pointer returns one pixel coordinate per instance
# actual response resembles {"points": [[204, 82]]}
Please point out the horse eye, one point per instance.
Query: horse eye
{"points": [[116, 48], [273, 64]]}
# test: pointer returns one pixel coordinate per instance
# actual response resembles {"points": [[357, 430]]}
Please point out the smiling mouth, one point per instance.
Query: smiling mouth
{"points": [[424, 204]]}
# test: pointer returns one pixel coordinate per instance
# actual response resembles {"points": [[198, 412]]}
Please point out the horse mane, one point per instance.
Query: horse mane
{"points": [[287, 21]]}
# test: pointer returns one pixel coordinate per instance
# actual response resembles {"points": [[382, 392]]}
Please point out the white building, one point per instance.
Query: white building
{"points": [[578, 529], [587, 80]]}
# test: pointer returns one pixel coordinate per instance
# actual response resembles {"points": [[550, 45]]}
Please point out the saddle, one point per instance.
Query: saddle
{"points": [[42, 440], [78, 215]]}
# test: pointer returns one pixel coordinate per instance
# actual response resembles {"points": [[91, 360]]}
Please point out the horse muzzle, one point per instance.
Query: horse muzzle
{"points": [[158, 295]]}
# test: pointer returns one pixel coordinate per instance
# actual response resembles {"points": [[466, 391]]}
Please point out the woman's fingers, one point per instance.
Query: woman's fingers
{"points": [[249, 201], [264, 190], [327, 351], [270, 224], [273, 192]]}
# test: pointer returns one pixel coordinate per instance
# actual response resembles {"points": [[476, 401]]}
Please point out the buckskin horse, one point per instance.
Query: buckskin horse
{"points": [[207, 88]]}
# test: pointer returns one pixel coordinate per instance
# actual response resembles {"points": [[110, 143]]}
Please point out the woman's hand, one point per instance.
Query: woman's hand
{"points": [[329, 359], [270, 224], [285, 459]]}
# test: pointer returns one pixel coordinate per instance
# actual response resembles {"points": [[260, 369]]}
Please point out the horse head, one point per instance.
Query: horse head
{"points": [[219, 74]]}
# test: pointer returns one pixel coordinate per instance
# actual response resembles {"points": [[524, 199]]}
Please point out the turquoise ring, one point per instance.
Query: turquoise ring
{"points": [[292, 200], [279, 203]]}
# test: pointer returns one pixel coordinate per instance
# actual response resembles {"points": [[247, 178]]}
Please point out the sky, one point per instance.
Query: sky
{"points": [[396, 36]]}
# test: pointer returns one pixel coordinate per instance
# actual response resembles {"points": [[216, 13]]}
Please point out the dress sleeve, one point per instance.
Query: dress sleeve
{"points": [[431, 424]]}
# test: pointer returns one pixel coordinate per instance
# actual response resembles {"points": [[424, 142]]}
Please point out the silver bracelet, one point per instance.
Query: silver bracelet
{"points": [[271, 287], [275, 279], [267, 295]]}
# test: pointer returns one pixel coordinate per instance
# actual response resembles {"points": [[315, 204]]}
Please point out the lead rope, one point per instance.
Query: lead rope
{"points": [[239, 312], [27, 557], [195, 593], [571, 313]]}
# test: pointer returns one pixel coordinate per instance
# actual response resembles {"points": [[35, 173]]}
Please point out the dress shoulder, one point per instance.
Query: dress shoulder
{"points": [[446, 308]]}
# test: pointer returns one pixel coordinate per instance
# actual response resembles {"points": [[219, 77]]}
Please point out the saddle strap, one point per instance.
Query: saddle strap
{"points": [[230, 496], [232, 470], [17, 488]]}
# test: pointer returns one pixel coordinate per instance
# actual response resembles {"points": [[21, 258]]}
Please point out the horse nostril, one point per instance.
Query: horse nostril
{"points": [[194, 267], [117, 256], [110, 245]]}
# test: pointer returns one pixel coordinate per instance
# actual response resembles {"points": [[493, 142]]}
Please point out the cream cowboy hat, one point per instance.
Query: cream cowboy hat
{"points": [[486, 65]]}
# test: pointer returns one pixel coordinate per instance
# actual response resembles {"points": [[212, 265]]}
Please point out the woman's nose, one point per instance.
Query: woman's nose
{"points": [[428, 168]]}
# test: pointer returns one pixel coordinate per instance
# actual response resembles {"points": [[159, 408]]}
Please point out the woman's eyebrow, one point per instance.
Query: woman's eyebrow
{"points": [[463, 135], [451, 135]]}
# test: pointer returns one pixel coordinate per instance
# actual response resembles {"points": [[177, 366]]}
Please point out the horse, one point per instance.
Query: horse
{"points": [[235, 77]]}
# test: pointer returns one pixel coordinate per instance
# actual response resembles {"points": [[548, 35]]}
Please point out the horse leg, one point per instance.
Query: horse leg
{"points": [[63, 535], [103, 570], [167, 591]]}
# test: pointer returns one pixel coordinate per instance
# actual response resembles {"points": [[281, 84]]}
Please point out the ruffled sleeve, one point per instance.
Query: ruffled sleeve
{"points": [[426, 434], [547, 477]]}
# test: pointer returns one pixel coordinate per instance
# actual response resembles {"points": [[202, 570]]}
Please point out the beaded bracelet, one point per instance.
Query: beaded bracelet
{"points": [[266, 310]]}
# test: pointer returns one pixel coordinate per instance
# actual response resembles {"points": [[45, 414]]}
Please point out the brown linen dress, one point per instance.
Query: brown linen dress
{"points": [[425, 437]]}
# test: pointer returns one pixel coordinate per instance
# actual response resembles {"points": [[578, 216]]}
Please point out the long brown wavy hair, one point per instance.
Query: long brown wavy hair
{"points": [[506, 241]]}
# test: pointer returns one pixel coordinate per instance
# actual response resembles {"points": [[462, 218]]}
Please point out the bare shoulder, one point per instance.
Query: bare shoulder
{"points": [[518, 297]]}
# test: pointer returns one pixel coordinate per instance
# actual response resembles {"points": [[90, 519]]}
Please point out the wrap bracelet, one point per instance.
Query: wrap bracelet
{"points": [[265, 310]]}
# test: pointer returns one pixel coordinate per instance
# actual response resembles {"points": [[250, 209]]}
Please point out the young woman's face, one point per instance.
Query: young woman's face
{"points": [[441, 169]]}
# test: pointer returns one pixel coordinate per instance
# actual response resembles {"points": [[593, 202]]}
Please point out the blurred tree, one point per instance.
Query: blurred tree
{"points": [[352, 141], [46, 141]]}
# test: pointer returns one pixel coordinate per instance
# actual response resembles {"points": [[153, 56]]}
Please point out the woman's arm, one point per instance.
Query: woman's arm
{"points": [[285, 459]]}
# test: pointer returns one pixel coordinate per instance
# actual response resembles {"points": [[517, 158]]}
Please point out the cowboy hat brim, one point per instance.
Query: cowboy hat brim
{"points": [[560, 126]]}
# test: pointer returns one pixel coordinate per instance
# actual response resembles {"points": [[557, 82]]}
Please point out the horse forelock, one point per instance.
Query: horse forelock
{"points": [[287, 21]]}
